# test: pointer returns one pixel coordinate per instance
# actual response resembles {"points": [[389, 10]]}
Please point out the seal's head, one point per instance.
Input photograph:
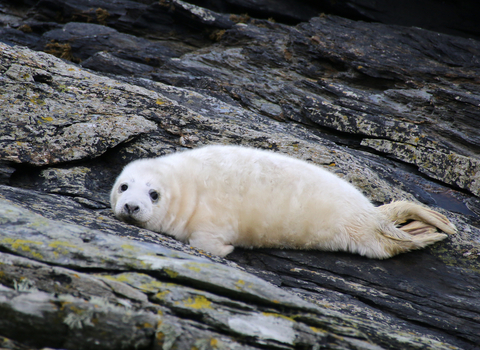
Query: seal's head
{"points": [[136, 194]]}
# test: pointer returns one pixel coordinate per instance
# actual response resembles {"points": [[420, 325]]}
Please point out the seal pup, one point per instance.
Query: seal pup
{"points": [[219, 197]]}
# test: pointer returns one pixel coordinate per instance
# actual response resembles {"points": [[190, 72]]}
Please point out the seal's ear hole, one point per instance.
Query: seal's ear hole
{"points": [[154, 195], [123, 187]]}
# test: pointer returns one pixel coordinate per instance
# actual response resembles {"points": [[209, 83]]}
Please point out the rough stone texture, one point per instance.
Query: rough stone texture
{"points": [[394, 110], [138, 295], [450, 17]]}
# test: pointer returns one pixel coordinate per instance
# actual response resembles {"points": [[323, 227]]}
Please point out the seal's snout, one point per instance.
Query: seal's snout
{"points": [[131, 209]]}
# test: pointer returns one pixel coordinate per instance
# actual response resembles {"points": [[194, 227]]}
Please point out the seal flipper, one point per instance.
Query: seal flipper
{"points": [[209, 242], [421, 232], [396, 246], [401, 211], [418, 227]]}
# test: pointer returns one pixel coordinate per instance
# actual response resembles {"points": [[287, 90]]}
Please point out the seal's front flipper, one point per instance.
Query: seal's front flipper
{"points": [[209, 242]]}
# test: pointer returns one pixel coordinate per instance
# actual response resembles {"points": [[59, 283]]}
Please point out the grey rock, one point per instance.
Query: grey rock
{"points": [[107, 63], [81, 40], [63, 132], [446, 17], [107, 308]]}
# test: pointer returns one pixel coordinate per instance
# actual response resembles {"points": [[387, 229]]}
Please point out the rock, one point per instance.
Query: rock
{"points": [[445, 17], [105, 62], [62, 132], [157, 20], [79, 41], [394, 114], [124, 301], [379, 111], [282, 11]]}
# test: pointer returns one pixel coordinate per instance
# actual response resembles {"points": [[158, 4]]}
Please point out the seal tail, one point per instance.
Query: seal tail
{"points": [[419, 233]]}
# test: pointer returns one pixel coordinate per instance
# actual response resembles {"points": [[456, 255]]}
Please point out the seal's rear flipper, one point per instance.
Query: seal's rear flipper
{"points": [[418, 227], [402, 211], [395, 241], [419, 233]]}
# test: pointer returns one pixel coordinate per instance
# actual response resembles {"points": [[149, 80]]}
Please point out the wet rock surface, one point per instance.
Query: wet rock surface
{"points": [[394, 110]]}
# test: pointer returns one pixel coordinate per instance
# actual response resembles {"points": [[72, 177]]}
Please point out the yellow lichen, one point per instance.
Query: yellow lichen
{"points": [[170, 273], [118, 278], [60, 247], [151, 286], [37, 255], [240, 284], [128, 246], [37, 101], [271, 314], [144, 325], [19, 243], [200, 302], [244, 18], [315, 329], [194, 268], [25, 28], [23, 244], [162, 295], [61, 50], [216, 35], [102, 15], [60, 244]]}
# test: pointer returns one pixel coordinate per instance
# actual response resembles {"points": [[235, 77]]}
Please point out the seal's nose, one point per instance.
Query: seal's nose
{"points": [[131, 208]]}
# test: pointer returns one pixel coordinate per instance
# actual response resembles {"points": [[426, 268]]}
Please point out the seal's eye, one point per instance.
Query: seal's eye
{"points": [[154, 195], [123, 187]]}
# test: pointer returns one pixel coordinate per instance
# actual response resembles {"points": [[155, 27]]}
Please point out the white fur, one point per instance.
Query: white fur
{"points": [[218, 197]]}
